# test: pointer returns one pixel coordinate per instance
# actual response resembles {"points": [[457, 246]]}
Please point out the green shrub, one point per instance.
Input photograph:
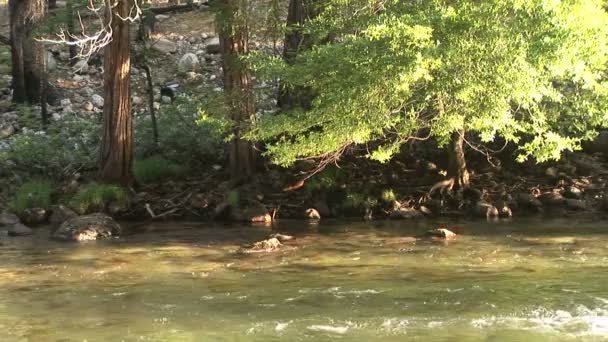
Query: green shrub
{"points": [[154, 169], [65, 148], [233, 197], [33, 194], [96, 197], [388, 196], [187, 132]]}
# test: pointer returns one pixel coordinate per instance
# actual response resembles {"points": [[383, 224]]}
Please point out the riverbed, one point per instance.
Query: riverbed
{"points": [[532, 280]]}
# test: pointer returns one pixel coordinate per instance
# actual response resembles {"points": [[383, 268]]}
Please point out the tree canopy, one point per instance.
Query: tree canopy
{"points": [[529, 72]]}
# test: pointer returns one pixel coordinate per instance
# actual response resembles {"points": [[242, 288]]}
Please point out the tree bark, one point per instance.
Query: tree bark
{"points": [[295, 40], [17, 27], [117, 143], [26, 53], [457, 167], [234, 37]]}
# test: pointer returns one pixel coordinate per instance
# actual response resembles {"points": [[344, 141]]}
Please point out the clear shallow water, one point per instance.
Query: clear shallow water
{"points": [[529, 280]]}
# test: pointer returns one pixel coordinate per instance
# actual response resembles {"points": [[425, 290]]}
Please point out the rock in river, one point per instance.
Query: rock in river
{"points": [[19, 229], [88, 227]]}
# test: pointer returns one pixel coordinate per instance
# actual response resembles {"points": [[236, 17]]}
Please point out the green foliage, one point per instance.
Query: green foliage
{"points": [[96, 197], [33, 194], [233, 197], [388, 196], [530, 72], [328, 179], [187, 130], [60, 151], [155, 169]]}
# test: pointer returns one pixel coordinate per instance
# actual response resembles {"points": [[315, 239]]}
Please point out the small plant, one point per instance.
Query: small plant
{"points": [[33, 194], [96, 197], [388, 196], [233, 197], [154, 169]]}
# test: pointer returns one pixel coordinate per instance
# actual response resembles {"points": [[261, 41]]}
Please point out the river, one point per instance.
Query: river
{"points": [[529, 280]]}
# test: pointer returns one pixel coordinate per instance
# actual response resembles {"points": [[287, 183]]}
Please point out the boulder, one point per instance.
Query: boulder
{"points": [[164, 46], [573, 192], [576, 204], [528, 201], [188, 62], [19, 229], [88, 227], [313, 214], [35, 216], [61, 214], [51, 62], [6, 130], [485, 210], [81, 66], [8, 219], [97, 100], [405, 213], [255, 213], [137, 101], [212, 46], [552, 199]]}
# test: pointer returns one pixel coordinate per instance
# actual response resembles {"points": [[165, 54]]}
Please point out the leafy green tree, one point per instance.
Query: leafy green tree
{"points": [[531, 72]]}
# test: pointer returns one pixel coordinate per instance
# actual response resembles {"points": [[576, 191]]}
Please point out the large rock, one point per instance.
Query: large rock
{"points": [[61, 214], [188, 62], [88, 227], [19, 229], [6, 130], [8, 219], [82, 66], [51, 62], [212, 46], [97, 100], [485, 210], [164, 45], [35, 216], [552, 199]]}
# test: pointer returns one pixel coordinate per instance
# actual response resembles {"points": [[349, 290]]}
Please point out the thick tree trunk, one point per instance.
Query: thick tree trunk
{"points": [[457, 168], [296, 41], [26, 53], [17, 26], [117, 144], [237, 86], [69, 7]]}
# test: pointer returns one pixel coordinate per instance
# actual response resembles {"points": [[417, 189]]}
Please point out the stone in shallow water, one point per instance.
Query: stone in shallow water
{"points": [[8, 219], [88, 227]]}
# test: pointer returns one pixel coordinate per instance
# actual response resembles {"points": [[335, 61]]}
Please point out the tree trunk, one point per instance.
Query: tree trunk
{"points": [[117, 144], [17, 27], [295, 40], [69, 8], [457, 168], [52, 3], [234, 37], [26, 53]]}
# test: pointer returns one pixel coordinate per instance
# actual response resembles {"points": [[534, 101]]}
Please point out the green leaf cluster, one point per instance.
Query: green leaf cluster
{"points": [[530, 72]]}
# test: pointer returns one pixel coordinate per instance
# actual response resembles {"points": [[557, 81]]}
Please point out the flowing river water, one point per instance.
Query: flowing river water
{"points": [[530, 280]]}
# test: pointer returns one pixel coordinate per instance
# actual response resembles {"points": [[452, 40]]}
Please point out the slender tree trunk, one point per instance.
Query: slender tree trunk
{"points": [[234, 37], [295, 41], [151, 103], [52, 3], [69, 7], [117, 144], [457, 168]]}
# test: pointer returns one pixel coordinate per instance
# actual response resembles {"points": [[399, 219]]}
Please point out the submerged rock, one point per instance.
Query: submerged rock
{"points": [[441, 233], [576, 204], [88, 227], [264, 246]]}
